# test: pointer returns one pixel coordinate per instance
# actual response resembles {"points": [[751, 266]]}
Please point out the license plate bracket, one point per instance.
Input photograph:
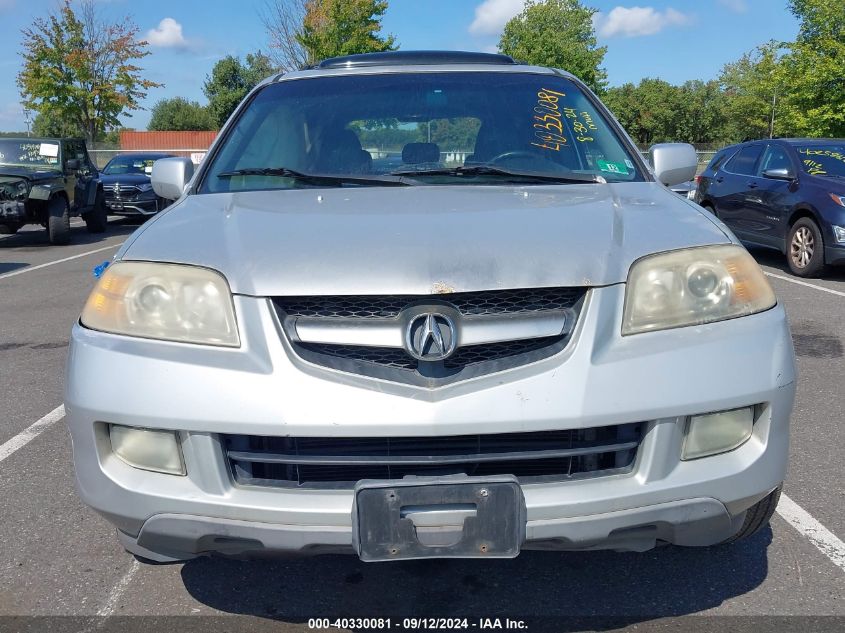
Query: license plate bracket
{"points": [[496, 530]]}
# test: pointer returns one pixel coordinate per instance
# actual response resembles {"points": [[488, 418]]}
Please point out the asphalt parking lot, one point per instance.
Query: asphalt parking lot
{"points": [[57, 558]]}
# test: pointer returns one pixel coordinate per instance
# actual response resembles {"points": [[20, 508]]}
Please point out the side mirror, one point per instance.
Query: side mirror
{"points": [[779, 174], [170, 175], [72, 164], [673, 163]]}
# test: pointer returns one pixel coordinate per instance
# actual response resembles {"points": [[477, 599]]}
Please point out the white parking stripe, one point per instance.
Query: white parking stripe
{"points": [[58, 261], [804, 283], [118, 590], [31, 432], [825, 540]]}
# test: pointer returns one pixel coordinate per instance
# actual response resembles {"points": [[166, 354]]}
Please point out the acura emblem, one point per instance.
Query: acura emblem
{"points": [[431, 336]]}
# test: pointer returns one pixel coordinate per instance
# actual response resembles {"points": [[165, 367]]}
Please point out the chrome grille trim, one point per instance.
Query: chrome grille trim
{"points": [[473, 331], [366, 335]]}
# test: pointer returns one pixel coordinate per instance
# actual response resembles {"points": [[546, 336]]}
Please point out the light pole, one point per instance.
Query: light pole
{"points": [[26, 115], [772, 124]]}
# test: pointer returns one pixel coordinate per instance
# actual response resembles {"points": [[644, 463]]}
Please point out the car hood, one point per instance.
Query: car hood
{"points": [[124, 179], [424, 239], [31, 174]]}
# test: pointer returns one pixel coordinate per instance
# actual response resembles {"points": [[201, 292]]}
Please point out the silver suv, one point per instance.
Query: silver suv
{"points": [[419, 305]]}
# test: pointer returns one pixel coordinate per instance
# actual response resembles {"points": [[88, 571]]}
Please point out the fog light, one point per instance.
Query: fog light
{"points": [[839, 233], [147, 449], [714, 433]]}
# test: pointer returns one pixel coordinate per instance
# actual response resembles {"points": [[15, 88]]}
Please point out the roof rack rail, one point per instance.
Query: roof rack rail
{"points": [[415, 58]]}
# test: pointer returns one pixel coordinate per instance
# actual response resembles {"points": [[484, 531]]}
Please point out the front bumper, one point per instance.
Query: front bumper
{"points": [[600, 379], [834, 254], [134, 207]]}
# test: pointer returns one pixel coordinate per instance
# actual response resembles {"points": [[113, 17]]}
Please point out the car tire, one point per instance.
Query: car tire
{"points": [[97, 220], [58, 220], [757, 516], [805, 248]]}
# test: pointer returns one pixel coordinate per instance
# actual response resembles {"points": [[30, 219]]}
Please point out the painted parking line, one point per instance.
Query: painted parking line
{"points": [[118, 590], [58, 261], [804, 283], [824, 540], [31, 432]]}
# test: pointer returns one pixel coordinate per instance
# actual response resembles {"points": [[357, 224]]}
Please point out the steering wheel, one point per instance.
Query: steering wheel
{"points": [[526, 160], [505, 156]]}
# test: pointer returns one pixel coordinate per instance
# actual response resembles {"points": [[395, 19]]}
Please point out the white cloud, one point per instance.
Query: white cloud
{"points": [[636, 21], [168, 34], [492, 15], [737, 6]]}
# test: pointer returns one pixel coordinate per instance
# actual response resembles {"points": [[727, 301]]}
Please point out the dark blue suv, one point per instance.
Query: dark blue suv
{"points": [[787, 194]]}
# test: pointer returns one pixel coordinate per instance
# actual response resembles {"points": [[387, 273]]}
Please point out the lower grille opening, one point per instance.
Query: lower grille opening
{"points": [[341, 462]]}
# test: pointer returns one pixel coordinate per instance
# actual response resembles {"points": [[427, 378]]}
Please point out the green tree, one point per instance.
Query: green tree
{"points": [[179, 114], [756, 91], [815, 68], [80, 69], [46, 123], [560, 34], [231, 80], [702, 113], [649, 111], [451, 134], [343, 27], [622, 102]]}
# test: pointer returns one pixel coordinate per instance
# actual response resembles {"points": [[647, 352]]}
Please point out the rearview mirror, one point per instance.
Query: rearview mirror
{"points": [[72, 164], [170, 176], [779, 174], [673, 163]]}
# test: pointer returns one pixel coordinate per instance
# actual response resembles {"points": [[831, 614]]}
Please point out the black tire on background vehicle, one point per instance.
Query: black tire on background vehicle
{"points": [[805, 248], [97, 219], [58, 220], [757, 516]]}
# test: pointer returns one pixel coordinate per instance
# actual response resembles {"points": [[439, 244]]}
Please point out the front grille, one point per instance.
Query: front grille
{"points": [[331, 462], [475, 354], [391, 357], [394, 364], [488, 302], [127, 192]]}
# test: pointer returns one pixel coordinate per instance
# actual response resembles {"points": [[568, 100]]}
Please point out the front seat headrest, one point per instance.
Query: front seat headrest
{"points": [[414, 153]]}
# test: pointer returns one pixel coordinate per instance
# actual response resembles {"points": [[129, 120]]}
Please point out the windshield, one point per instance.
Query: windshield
{"points": [[130, 165], [26, 153], [431, 128], [823, 160]]}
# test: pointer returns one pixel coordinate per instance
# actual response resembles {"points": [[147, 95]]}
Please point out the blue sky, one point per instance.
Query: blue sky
{"points": [[675, 40]]}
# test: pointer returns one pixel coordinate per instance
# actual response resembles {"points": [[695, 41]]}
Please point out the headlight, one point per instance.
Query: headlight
{"points": [[692, 287], [840, 200], [170, 302]]}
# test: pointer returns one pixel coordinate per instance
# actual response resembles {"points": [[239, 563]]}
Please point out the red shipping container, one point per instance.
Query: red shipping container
{"points": [[166, 140]]}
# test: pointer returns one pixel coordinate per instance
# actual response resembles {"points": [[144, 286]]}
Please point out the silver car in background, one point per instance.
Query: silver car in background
{"points": [[347, 335]]}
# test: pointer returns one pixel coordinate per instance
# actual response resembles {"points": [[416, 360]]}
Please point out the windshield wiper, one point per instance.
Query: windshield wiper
{"points": [[490, 170], [318, 179]]}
